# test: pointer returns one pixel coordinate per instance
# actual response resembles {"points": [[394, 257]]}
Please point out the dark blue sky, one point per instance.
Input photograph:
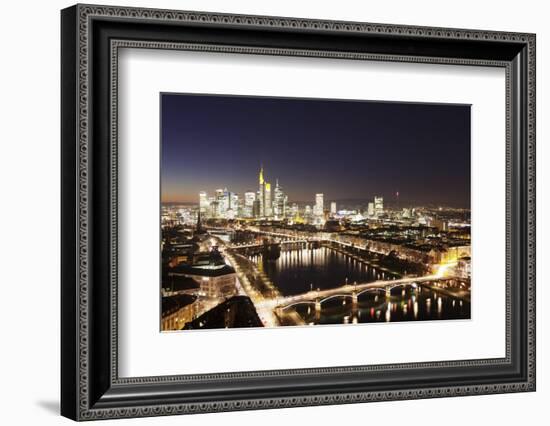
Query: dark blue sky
{"points": [[344, 149]]}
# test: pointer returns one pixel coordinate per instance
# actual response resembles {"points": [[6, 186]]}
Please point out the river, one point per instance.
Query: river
{"points": [[299, 271]]}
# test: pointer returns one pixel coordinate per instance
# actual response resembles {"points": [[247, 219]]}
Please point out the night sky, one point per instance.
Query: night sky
{"points": [[344, 149]]}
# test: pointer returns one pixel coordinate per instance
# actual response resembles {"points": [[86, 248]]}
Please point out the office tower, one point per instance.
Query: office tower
{"points": [[279, 202], [261, 192], [318, 210], [265, 196], [203, 202], [294, 210], [370, 209], [333, 208], [232, 205], [249, 199], [268, 207], [256, 208], [378, 206]]}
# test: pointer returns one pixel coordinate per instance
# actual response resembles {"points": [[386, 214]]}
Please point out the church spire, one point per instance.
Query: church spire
{"points": [[199, 224]]}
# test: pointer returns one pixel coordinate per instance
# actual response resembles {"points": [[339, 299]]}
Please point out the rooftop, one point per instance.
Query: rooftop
{"points": [[236, 312], [172, 304], [204, 270]]}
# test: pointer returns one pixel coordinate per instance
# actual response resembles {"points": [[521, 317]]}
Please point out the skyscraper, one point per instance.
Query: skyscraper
{"points": [[268, 201], [203, 202], [370, 209], [233, 205], [249, 198], [265, 196], [319, 204], [226, 204], [261, 192], [307, 212], [378, 206], [333, 208], [220, 204], [256, 208], [279, 201], [319, 209]]}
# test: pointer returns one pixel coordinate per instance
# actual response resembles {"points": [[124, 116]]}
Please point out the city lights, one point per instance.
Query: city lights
{"points": [[296, 212], [400, 251]]}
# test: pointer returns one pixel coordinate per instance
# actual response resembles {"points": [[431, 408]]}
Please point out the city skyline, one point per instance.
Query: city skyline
{"points": [[271, 202], [292, 212], [206, 146]]}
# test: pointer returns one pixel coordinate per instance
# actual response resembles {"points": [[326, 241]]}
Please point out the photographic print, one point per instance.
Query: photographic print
{"points": [[305, 212]]}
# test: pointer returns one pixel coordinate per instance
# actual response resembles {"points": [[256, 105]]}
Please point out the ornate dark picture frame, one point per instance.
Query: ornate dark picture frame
{"points": [[90, 385]]}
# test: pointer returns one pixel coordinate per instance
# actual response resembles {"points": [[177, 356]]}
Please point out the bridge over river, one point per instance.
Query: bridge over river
{"points": [[352, 291]]}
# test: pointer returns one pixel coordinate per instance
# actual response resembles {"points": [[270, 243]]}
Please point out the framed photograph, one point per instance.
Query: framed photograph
{"points": [[263, 212]]}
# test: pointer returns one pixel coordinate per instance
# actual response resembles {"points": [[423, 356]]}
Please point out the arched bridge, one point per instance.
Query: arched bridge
{"points": [[351, 291], [261, 244]]}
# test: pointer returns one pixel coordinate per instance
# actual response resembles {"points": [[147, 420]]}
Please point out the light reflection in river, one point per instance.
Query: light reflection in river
{"points": [[299, 271]]}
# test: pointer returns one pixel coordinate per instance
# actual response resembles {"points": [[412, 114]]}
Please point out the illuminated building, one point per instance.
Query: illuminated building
{"points": [[234, 206], [441, 225], [378, 206], [177, 311], [464, 267], [294, 213], [319, 210], [215, 277], [219, 206], [230, 214], [268, 201], [228, 205], [279, 202], [319, 207], [204, 204], [213, 212], [249, 199], [268, 207], [256, 208], [333, 208], [370, 209], [261, 192]]}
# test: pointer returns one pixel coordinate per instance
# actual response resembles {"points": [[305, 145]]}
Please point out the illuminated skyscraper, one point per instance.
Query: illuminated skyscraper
{"points": [[318, 210], [256, 208], [378, 206], [333, 208], [261, 192], [232, 205], [279, 202], [220, 205], [268, 201], [203, 202], [294, 210], [264, 195], [370, 209], [249, 198]]}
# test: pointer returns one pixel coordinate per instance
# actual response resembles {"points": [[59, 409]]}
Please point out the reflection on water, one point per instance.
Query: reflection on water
{"points": [[409, 305], [299, 271]]}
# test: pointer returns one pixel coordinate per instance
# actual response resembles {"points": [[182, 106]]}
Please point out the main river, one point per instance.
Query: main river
{"points": [[299, 271]]}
